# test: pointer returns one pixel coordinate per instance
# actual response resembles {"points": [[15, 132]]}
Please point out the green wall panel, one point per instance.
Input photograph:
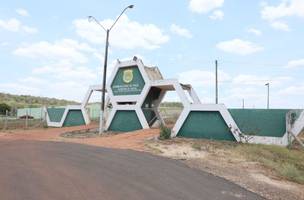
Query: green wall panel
{"points": [[124, 121], [55, 114], [261, 122], [128, 81], [205, 124], [74, 118]]}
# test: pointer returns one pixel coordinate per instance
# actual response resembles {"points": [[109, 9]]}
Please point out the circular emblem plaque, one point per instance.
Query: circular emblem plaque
{"points": [[127, 75]]}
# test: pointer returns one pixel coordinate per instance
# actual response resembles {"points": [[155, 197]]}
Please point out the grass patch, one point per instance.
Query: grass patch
{"points": [[287, 163], [165, 133], [197, 146]]}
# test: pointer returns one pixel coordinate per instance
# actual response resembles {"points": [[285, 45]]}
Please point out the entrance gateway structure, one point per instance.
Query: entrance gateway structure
{"points": [[135, 92]]}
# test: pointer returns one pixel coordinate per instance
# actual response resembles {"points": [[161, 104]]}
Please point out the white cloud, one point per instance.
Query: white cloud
{"points": [[279, 25], [29, 29], [127, 34], [295, 90], [15, 25], [254, 31], [65, 49], [205, 6], [238, 46], [10, 25], [295, 63], [65, 71], [19, 88], [217, 15], [61, 80], [62, 69], [4, 44], [254, 80], [286, 8], [22, 12], [180, 31], [201, 78]]}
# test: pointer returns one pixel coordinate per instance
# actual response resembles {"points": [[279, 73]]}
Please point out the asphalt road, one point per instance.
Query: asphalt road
{"points": [[53, 170]]}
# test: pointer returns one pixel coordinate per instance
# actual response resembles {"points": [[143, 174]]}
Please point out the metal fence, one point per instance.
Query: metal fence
{"points": [[10, 121], [170, 114]]}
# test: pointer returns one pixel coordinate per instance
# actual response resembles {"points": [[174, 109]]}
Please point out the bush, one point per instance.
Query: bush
{"points": [[4, 107], [165, 133]]}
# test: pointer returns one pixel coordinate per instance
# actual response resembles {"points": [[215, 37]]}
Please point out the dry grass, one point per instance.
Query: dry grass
{"points": [[286, 163], [20, 124]]}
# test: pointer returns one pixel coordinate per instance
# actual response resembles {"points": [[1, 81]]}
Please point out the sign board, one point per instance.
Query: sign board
{"points": [[128, 81]]}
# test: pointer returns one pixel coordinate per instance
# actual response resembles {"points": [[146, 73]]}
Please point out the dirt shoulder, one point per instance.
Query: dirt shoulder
{"points": [[220, 160], [133, 140]]}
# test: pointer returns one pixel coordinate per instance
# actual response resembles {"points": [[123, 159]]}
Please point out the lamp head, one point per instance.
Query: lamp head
{"points": [[131, 6], [90, 18]]}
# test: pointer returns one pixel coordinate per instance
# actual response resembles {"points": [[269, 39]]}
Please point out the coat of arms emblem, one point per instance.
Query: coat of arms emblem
{"points": [[127, 75]]}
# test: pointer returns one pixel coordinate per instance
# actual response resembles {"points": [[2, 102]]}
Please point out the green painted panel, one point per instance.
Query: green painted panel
{"points": [[55, 114], [261, 122], [74, 118], [205, 124], [93, 111], [147, 106], [124, 121], [150, 116], [128, 81]]}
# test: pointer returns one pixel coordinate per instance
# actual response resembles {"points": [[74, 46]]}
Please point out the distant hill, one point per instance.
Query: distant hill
{"points": [[24, 101]]}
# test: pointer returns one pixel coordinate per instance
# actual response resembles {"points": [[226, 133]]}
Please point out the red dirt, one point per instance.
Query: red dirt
{"points": [[133, 140]]}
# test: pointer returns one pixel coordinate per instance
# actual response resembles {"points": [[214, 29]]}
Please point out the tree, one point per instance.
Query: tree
{"points": [[3, 108]]}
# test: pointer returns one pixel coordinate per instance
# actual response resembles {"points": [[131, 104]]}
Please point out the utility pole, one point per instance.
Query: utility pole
{"points": [[216, 83], [103, 94], [243, 103], [107, 30], [267, 84]]}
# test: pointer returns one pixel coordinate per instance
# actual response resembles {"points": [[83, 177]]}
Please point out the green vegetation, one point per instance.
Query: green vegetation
{"points": [[171, 104], [287, 163], [165, 133], [284, 162], [23, 101], [3, 108], [197, 146]]}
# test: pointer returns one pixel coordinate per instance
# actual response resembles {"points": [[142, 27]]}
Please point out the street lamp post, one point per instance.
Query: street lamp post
{"points": [[91, 18], [267, 84]]}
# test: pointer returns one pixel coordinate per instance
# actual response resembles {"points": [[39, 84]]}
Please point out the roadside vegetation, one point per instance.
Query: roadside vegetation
{"points": [[164, 133], [286, 163], [24, 101]]}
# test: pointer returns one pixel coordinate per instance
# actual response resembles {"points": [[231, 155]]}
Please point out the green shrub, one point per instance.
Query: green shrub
{"points": [[165, 133], [3, 108]]}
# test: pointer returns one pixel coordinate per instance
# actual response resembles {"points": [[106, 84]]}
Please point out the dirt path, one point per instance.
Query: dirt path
{"points": [[134, 140]]}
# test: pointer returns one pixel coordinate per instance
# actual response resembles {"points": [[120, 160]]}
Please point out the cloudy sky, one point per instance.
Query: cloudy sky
{"points": [[50, 48]]}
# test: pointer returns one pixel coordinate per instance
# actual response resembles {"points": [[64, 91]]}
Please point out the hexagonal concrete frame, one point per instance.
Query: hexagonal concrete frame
{"points": [[133, 104], [206, 107], [127, 64], [61, 120]]}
